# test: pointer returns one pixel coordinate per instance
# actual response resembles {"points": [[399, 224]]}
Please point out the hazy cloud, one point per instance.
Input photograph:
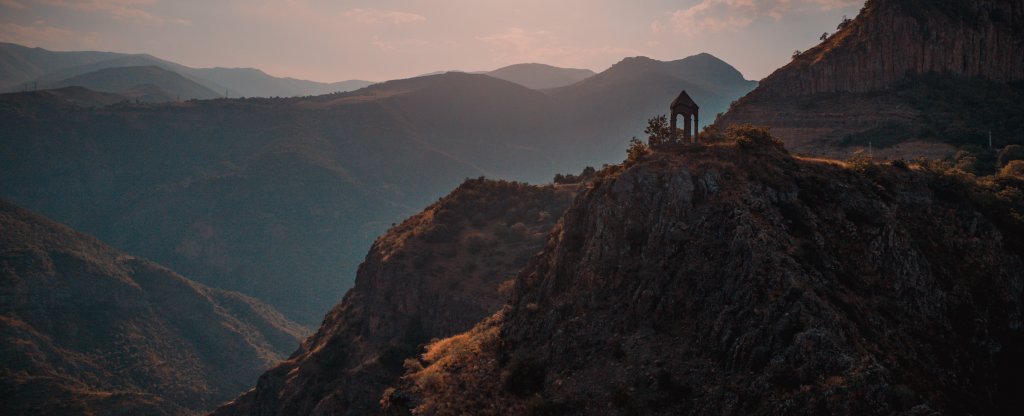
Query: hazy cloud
{"points": [[519, 45], [730, 15], [394, 45], [383, 16], [12, 4], [119, 9], [39, 32]]}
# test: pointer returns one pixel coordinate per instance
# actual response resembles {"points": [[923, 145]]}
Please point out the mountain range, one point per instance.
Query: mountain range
{"points": [[729, 276], [724, 277], [147, 83], [23, 68], [540, 76], [256, 194], [87, 329]]}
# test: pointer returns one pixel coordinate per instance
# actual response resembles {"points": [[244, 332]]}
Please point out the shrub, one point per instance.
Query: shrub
{"points": [[1014, 168], [862, 163], [1010, 153], [475, 244], [637, 149], [523, 376], [753, 137]]}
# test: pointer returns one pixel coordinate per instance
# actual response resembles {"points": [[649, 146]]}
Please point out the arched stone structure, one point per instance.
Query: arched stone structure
{"points": [[684, 106]]}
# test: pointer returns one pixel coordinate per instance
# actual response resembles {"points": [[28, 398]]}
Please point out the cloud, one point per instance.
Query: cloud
{"points": [[710, 16], [43, 35], [12, 4], [371, 16], [119, 9], [517, 45], [393, 45]]}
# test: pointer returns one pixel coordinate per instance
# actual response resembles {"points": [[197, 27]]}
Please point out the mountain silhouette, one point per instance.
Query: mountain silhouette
{"points": [[540, 76], [257, 194], [140, 81], [24, 68]]}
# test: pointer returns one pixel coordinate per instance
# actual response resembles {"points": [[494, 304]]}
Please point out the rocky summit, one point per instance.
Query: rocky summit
{"points": [[434, 275], [736, 279]]}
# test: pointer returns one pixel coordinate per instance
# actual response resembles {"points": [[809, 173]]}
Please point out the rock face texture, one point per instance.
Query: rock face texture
{"points": [[85, 329], [735, 280], [865, 80], [434, 275]]}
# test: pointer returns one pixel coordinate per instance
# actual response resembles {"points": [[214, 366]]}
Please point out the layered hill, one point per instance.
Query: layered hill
{"points": [[736, 279], [252, 82], [540, 76], [909, 76], [87, 329], [23, 68], [617, 101], [257, 194], [434, 275], [147, 83]]}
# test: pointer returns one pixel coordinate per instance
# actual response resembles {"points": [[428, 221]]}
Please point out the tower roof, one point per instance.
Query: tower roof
{"points": [[683, 102]]}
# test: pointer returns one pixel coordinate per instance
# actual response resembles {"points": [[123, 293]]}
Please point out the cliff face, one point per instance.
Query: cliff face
{"points": [[727, 280], [85, 329], [891, 38], [434, 275], [864, 82]]}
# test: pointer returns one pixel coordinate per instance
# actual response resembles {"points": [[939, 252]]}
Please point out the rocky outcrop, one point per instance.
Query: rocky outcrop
{"points": [[86, 329], [865, 82], [735, 279], [434, 275]]}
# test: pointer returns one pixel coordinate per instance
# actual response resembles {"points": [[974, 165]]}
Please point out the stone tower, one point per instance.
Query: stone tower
{"points": [[684, 106]]}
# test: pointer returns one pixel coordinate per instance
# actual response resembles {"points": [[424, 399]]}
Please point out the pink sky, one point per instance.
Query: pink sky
{"points": [[385, 39]]}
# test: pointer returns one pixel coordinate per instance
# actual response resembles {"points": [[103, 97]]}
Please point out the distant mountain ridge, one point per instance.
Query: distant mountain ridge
{"points": [[258, 194], [132, 81], [540, 76], [23, 68], [86, 329]]}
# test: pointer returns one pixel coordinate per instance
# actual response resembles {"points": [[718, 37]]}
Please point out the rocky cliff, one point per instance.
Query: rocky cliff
{"points": [[434, 275], [735, 279], [866, 81], [86, 329]]}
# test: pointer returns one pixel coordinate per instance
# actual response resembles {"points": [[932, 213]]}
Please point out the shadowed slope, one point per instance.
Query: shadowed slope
{"points": [[87, 329]]}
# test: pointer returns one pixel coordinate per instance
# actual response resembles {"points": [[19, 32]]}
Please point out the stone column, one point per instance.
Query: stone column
{"points": [[696, 126], [686, 127], [672, 123]]}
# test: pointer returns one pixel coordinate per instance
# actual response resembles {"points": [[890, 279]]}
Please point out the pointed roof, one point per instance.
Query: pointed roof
{"points": [[683, 102]]}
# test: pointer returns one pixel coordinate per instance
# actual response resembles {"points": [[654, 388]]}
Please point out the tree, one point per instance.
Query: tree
{"points": [[637, 149], [846, 22], [796, 53], [658, 130], [824, 36]]}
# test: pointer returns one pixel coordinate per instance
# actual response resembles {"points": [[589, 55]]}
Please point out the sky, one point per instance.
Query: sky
{"points": [[377, 40]]}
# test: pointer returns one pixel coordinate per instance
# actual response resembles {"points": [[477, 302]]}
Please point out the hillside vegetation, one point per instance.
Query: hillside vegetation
{"points": [[434, 275], [86, 329]]}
